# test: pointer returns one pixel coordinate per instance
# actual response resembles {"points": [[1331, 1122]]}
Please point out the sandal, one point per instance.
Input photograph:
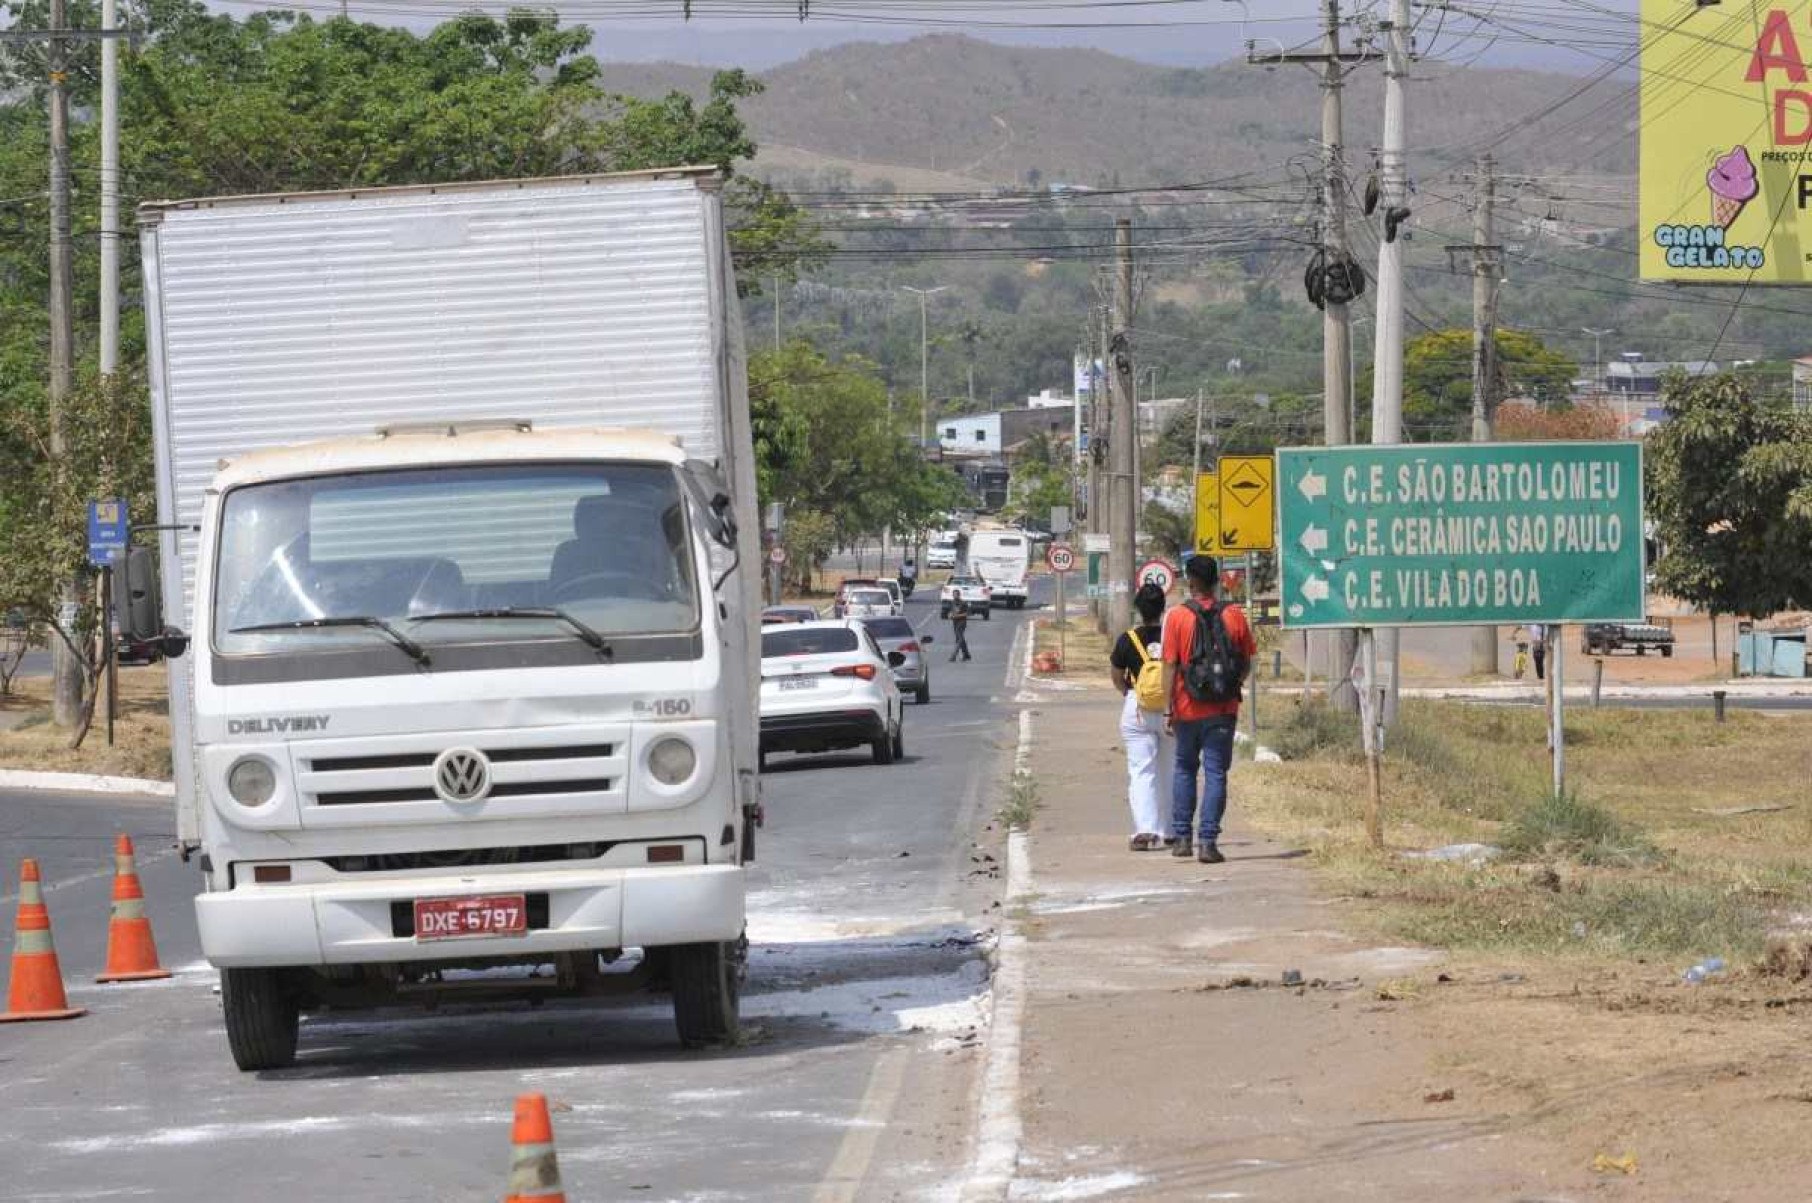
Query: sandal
{"points": [[1144, 843]]}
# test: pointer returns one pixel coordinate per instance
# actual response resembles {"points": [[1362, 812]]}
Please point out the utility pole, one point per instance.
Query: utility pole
{"points": [[1337, 354], [67, 676], [1387, 357], [1126, 432], [110, 191], [924, 364], [1487, 270], [777, 311], [1195, 467]]}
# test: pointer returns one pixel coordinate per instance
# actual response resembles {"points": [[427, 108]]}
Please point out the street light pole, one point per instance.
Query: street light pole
{"points": [[1597, 356], [924, 364]]}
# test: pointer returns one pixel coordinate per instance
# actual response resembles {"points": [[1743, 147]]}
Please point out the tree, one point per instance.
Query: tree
{"points": [[279, 102], [1533, 423], [43, 541], [1730, 492], [827, 442], [1437, 379]]}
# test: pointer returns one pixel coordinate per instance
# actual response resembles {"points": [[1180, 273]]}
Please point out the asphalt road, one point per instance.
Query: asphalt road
{"points": [[866, 988]]}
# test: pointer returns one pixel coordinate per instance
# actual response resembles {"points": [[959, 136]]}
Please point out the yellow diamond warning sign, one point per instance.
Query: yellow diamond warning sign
{"points": [[1248, 503]]}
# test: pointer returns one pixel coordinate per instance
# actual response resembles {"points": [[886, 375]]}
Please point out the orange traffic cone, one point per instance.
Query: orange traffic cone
{"points": [[37, 985], [534, 1174], [131, 952]]}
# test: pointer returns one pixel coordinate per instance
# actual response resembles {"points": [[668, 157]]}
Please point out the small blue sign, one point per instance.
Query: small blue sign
{"points": [[108, 531]]}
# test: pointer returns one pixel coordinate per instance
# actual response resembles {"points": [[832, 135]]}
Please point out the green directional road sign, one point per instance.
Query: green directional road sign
{"points": [[1460, 533]]}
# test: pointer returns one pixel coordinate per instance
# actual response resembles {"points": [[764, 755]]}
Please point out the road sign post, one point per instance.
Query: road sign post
{"points": [[1159, 572], [1248, 503], [1061, 558], [1461, 534], [108, 531], [1207, 514]]}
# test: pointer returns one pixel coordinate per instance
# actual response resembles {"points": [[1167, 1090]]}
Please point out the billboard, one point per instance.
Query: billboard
{"points": [[1726, 142]]}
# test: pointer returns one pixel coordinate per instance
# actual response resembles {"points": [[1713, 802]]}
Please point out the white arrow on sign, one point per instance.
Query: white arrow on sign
{"points": [[1313, 485], [1315, 589], [1314, 540]]}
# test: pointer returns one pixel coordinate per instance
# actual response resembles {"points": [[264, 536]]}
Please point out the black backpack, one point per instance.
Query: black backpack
{"points": [[1216, 668]]}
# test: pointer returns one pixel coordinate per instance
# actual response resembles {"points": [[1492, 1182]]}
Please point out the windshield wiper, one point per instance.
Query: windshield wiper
{"points": [[589, 637], [410, 647]]}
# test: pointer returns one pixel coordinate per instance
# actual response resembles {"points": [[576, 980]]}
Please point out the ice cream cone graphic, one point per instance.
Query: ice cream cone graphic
{"points": [[1733, 185]]}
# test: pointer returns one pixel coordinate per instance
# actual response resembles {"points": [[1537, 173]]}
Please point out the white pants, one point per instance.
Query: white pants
{"points": [[1150, 757]]}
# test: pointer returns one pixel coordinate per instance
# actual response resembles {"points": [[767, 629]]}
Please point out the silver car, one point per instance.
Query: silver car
{"points": [[913, 673]]}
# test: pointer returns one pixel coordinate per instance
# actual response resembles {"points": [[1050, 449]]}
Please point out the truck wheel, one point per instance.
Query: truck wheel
{"points": [[706, 980], [1640, 649], [262, 1014], [1666, 652]]}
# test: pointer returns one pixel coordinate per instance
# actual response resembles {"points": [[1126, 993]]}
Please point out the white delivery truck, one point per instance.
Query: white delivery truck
{"points": [[458, 507], [1000, 557]]}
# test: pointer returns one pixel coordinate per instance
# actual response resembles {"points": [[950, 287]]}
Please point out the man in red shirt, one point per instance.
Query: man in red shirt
{"points": [[1203, 729]]}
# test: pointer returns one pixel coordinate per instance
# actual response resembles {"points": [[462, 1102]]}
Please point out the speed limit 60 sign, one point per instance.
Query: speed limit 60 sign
{"points": [[1159, 573], [1060, 557]]}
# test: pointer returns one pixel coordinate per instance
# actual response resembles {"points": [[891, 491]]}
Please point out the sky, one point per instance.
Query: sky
{"points": [[759, 34]]}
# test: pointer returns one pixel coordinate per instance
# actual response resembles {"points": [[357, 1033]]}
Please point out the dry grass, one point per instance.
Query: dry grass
{"points": [[1085, 648], [1624, 867], [141, 735]]}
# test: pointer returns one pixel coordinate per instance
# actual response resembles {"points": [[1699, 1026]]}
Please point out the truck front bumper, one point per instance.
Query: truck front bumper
{"points": [[354, 923]]}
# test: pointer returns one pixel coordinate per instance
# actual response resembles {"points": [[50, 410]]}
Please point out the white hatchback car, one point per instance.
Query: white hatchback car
{"points": [[826, 686]]}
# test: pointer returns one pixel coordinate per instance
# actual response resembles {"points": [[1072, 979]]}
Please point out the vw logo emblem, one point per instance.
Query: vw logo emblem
{"points": [[462, 775]]}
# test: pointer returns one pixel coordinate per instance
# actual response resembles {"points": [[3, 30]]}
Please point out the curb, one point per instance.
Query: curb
{"points": [[998, 1125], [84, 783]]}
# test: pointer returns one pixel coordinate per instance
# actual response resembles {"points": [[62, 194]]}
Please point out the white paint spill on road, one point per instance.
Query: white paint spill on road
{"points": [[1091, 1186]]}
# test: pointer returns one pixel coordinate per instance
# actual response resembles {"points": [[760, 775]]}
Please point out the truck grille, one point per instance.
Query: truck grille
{"points": [[534, 770]]}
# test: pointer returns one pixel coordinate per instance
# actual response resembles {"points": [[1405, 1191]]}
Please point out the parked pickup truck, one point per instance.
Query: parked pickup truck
{"points": [[1602, 638]]}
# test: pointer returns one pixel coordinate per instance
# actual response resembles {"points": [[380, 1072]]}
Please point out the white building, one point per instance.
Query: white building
{"points": [[996, 432]]}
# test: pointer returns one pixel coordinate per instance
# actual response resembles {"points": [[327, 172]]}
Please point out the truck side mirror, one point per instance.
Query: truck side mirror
{"points": [[138, 599], [137, 596]]}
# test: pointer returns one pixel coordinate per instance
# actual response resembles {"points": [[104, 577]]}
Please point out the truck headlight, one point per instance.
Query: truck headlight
{"points": [[672, 761], [252, 781]]}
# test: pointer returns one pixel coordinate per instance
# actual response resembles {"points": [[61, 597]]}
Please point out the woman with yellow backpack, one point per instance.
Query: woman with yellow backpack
{"points": [[1139, 676]]}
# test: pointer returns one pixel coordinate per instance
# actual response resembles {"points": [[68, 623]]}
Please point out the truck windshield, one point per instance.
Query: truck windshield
{"points": [[498, 552]]}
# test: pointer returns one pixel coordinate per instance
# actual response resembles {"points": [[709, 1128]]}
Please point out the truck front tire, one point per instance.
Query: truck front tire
{"points": [[706, 980], [262, 1017]]}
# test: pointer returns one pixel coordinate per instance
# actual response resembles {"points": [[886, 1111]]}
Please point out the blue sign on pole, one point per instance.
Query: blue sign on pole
{"points": [[108, 531]]}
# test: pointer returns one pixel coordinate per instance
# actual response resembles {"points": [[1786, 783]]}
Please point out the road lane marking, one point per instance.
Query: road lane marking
{"points": [[63, 883], [848, 1170]]}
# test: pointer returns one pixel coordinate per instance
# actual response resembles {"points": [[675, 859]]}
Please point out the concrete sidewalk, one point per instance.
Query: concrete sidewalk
{"points": [[1164, 1058]]}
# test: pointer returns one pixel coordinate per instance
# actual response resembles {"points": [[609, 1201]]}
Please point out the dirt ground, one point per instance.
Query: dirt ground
{"points": [[141, 745], [1165, 1059]]}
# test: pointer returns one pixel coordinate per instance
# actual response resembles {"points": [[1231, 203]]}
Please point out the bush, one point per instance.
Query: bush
{"points": [[1315, 728], [1562, 825]]}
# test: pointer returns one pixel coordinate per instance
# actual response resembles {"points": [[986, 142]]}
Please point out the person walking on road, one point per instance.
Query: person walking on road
{"points": [[1538, 648], [1137, 671], [959, 626], [1208, 648]]}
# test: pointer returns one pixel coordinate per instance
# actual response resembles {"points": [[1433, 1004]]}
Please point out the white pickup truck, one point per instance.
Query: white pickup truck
{"points": [[457, 494]]}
